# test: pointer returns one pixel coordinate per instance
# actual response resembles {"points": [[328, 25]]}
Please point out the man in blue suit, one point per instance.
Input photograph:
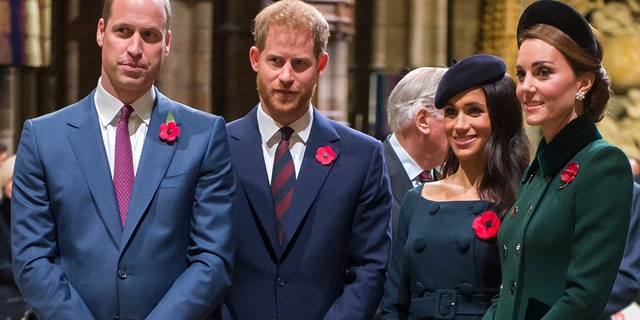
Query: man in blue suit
{"points": [[324, 255], [80, 251]]}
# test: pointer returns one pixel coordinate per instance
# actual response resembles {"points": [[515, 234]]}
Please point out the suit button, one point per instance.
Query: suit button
{"points": [[281, 282], [122, 274]]}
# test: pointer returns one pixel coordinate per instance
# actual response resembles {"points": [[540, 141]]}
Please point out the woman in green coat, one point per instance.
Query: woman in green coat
{"points": [[561, 243]]}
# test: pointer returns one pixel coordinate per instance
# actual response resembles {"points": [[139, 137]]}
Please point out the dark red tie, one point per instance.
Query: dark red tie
{"points": [[283, 180], [424, 176], [123, 175]]}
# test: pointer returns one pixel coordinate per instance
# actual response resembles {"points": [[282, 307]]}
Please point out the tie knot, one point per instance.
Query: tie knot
{"points": [[424, 176], [286, 133], [125, 112]]}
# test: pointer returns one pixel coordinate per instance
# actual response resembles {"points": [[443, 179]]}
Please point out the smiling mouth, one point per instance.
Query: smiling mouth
{"points": [[532, 104], [462, 141]]}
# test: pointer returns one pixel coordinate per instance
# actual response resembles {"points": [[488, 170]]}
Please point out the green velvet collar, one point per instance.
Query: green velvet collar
{"points": [[552, 157]]}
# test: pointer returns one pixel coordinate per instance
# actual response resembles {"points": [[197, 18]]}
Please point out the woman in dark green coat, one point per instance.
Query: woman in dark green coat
{"points": [[562, 241]]}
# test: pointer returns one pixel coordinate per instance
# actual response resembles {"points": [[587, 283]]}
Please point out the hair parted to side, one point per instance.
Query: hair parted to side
{"points": [[416, 89], [507, 151], [295, 15], [106, 11], [595, 103]]}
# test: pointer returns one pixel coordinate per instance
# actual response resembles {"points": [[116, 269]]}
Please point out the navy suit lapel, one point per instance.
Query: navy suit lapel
{"points": [[154, 162], [312, 173], [253, 174], [86, 142]]}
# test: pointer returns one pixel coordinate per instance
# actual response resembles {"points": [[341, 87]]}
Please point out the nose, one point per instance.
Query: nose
{"points": [[286, 73], [135, 45], [525, 84], [461, 122]]}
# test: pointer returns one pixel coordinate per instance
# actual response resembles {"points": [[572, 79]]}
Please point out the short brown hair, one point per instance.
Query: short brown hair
{"points": [[292, 14]]}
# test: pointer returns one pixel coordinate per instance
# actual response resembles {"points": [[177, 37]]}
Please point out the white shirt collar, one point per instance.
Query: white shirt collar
{"points": [[409, 165], [269, 127], [108, 106]]}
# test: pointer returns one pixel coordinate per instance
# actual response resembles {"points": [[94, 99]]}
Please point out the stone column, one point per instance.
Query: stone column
{"points": [[332, 94]]}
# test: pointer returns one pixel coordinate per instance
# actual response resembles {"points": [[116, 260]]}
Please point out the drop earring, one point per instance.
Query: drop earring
{"points": [[579, 95]]}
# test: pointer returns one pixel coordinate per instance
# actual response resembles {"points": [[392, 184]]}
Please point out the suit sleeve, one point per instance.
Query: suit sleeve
{"points": [[200, 288], [368, 247], [38, 274], [600, 231], [627, 284]]}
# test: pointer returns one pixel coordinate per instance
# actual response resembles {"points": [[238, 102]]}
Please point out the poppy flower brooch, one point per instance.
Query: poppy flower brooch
{"points": [[486, 225], [169, 130], [569, 174], [325, 155]]}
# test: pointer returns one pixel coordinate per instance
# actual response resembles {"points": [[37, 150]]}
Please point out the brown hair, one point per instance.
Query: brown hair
{"points": [[595, 103], [292, 14]]}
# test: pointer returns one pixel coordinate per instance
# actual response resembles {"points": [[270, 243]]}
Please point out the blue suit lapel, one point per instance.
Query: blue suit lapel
{"points": [[86, 141], [154, 162], [312, 173], [253, 174]]}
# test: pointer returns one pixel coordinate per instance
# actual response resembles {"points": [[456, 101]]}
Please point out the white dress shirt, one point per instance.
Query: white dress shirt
{"points": [[108, 108], [271, 137], [410, 166]]}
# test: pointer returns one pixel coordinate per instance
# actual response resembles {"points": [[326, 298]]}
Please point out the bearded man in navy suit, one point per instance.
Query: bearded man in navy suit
{"points": [[325, 256], [82, 250]]}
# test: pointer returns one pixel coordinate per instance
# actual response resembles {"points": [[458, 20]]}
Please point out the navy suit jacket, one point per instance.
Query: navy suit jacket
{"points": [[626, 288], [333, 264], [72, 258]]}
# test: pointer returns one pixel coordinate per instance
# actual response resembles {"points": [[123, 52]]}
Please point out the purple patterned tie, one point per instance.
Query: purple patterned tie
{"points": [[283, 180], [123, 175]]}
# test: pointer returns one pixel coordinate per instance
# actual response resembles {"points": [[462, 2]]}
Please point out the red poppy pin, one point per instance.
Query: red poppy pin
{"points": [[569, 173], [325, 155], [169, 131], [486, 225]]}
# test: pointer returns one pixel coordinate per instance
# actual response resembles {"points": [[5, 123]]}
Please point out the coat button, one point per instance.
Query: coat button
{"points": [[281, 282], [504, 250], [419, 244], [513, 288], [518, 247], [122, 274]]}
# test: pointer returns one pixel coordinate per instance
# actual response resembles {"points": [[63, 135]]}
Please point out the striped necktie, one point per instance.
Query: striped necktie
{"points": [[283, 180]]}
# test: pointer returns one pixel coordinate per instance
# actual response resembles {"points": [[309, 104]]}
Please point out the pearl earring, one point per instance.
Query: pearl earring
{"points": [[579, 95]]}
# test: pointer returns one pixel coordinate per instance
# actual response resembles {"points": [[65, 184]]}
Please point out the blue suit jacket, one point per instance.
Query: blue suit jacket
{"points": [[332, 266], [72, 258]]}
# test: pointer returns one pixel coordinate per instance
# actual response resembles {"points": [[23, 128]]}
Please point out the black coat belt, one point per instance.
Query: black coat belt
{"points": [[447, 303]]}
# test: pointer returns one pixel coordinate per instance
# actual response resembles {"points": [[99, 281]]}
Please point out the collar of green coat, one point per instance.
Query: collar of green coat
{"points": [[552, 157]]}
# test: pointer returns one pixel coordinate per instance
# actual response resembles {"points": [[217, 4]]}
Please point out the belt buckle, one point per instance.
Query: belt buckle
{"points": [[445, 307]]}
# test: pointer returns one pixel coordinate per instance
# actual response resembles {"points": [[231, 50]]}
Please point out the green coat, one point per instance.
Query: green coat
{"points": [[560, 247]]}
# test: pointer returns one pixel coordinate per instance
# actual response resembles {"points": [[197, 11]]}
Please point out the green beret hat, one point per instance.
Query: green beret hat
{"points": [[470, 72], [563, 17]]}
